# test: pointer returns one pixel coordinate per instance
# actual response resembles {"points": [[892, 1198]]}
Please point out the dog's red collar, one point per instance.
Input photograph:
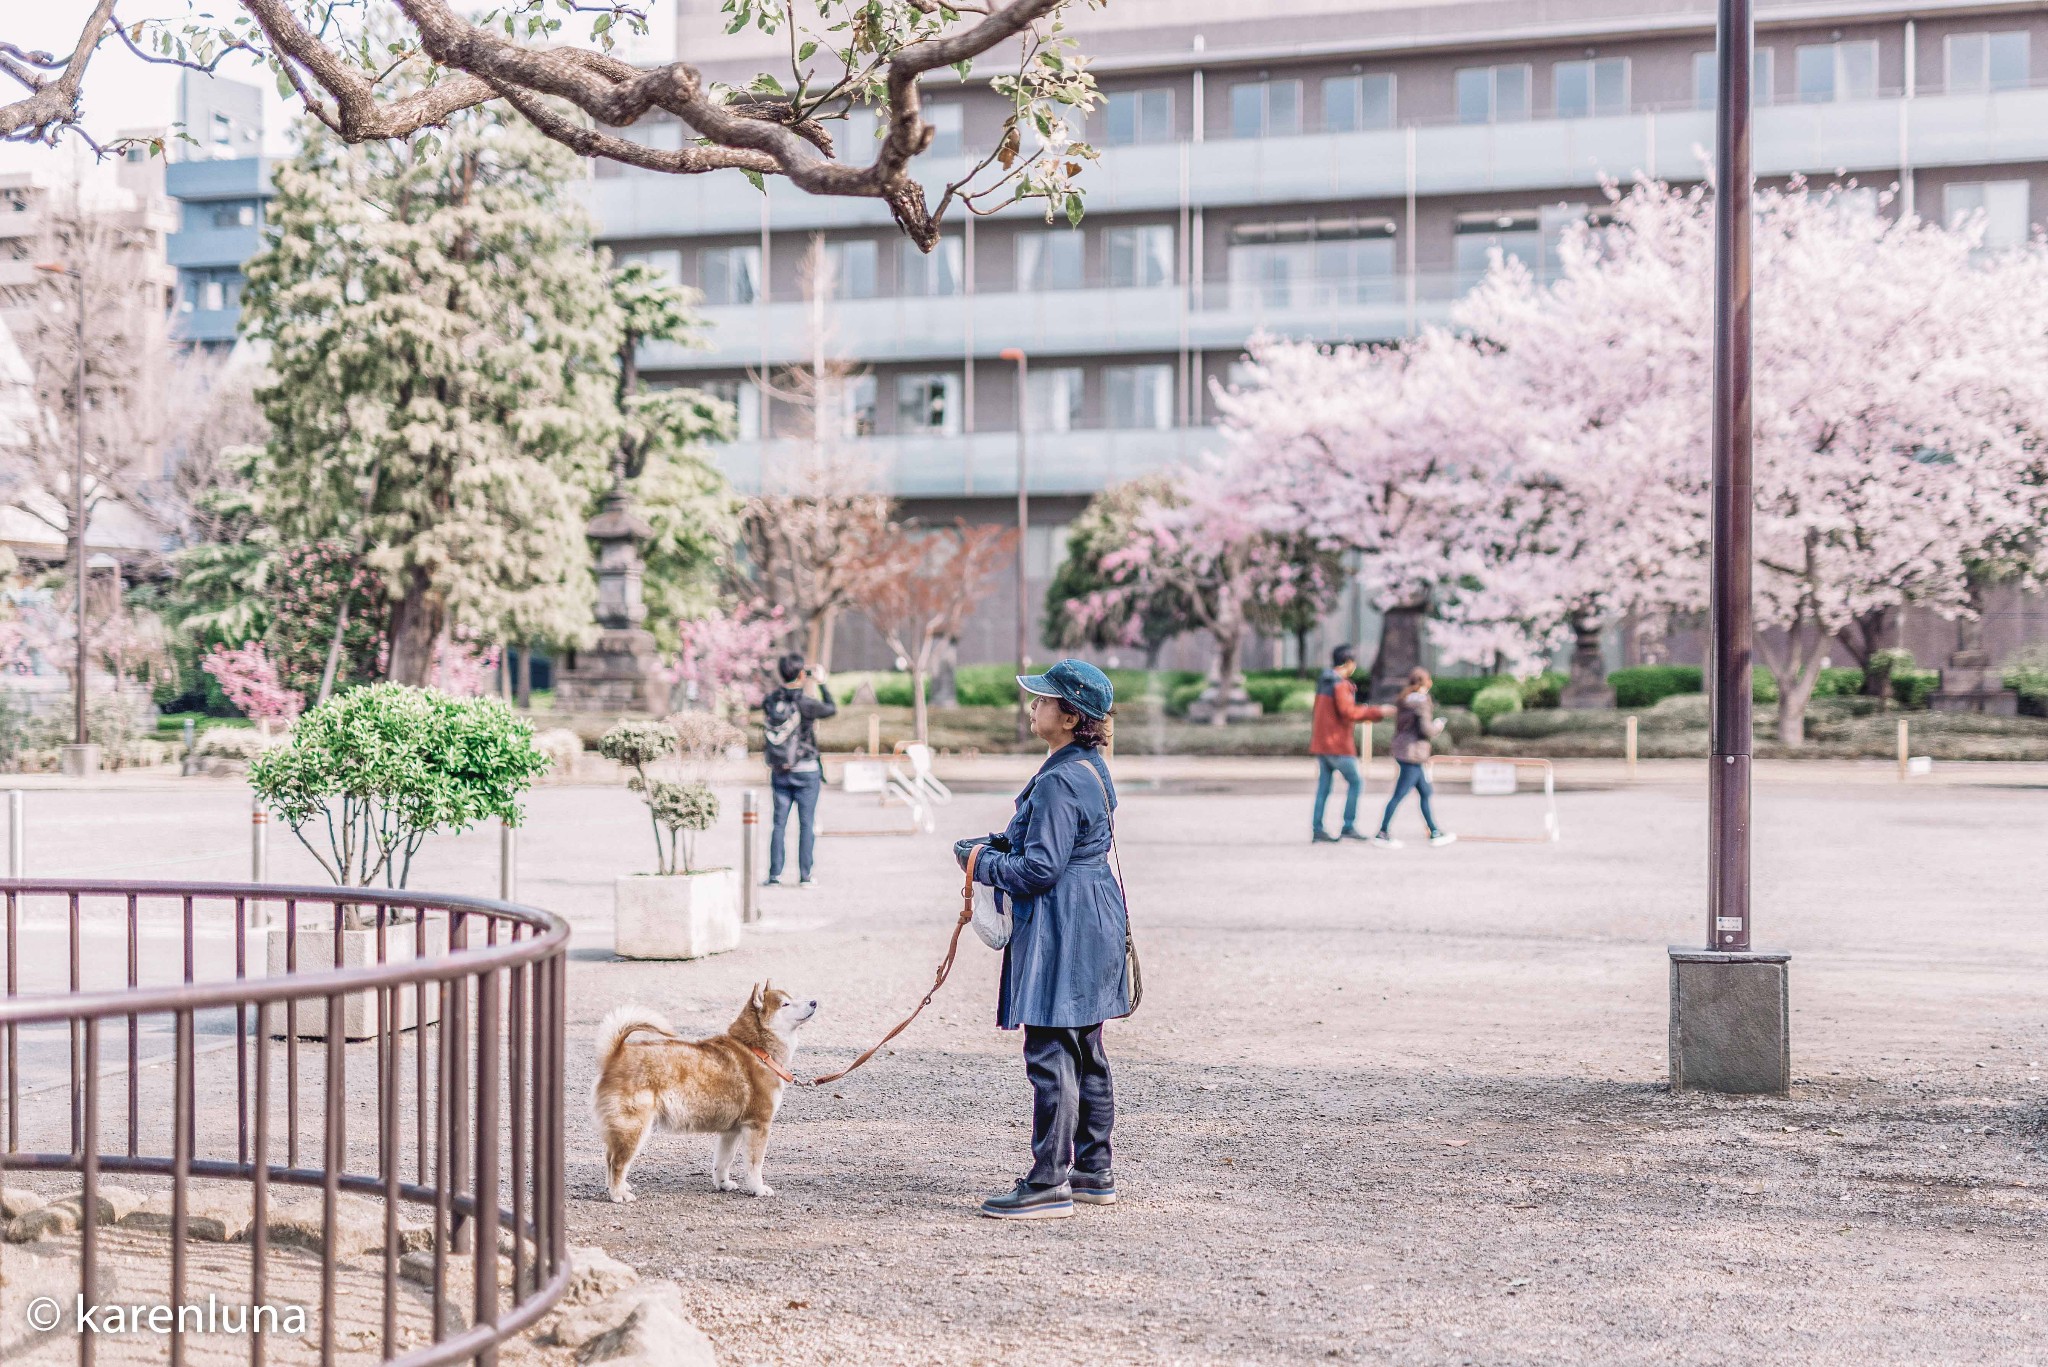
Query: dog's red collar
{"points": [[777, 1068]]}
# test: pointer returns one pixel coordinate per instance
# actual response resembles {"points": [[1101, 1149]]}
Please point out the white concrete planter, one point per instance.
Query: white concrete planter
{"points": [[676, 916], [358, 950]]}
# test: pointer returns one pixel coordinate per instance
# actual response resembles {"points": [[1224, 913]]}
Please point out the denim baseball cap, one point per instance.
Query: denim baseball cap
{"points": [[1075, 682]]}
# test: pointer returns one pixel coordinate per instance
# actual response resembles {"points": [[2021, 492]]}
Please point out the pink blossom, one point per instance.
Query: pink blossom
{"points": [[249, 680], [727, 655]]}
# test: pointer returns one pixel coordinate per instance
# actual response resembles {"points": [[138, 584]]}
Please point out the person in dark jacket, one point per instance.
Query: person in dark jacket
{"points": [[1415, 722], [795, 773], [1065, 970], [1333, 740]]}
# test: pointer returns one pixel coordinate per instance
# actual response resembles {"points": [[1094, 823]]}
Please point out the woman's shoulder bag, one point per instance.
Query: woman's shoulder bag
{"points": [[1130, 944]]}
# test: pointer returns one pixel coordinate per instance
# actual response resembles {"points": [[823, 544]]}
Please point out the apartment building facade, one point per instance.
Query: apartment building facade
{"points": [[220, 180], [1340, 172]]}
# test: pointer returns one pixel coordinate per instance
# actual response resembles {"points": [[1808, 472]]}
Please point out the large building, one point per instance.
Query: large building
{"points": [[1332, 169], [218, 175]]}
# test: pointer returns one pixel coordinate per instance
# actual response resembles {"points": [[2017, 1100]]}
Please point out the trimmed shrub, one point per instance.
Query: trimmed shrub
{"points": [[1647, 685], [1496, 700], [1301, 700], [1838, 683], [1182, 696], [1911, 688], [1545, 689], [1271, 690], [1461, 691]]}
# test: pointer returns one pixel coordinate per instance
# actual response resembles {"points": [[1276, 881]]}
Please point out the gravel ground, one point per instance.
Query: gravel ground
{"points": [[1404, 1106], [1379, 1106]]}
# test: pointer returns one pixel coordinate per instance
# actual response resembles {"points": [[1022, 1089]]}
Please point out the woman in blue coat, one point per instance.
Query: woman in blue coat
{"points": [[1065, 970]]}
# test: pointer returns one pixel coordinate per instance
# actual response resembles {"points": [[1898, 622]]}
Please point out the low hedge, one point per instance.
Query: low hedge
{"points": [[1642, 686], [1495, 701]]}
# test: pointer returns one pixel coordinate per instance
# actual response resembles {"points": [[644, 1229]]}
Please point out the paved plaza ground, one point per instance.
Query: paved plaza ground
{"points": [[1379, 1106]]}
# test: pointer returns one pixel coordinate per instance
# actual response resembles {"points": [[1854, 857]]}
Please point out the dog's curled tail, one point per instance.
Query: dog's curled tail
{"points": [[620, 1023]]}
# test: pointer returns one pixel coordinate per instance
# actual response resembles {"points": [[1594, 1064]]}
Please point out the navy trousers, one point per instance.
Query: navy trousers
{"points": [[1073, 1104], [799, 791]]}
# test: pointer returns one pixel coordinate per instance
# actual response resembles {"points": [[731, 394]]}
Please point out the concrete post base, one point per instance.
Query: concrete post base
{"points": [[1731, 1028]]}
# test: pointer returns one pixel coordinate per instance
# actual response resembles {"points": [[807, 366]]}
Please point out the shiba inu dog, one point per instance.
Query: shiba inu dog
{"points": [[729, 1085]]}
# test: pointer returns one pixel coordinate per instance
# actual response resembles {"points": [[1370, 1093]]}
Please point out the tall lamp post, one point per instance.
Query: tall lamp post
{"points": [[1023, 531], [1730, 1008], [79, 736]]}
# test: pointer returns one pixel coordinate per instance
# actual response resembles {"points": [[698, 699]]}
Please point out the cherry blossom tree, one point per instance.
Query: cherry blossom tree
{"points": [[727, 655], [1394, 454], [1899, 381], [1207, 541], [919, 585]]}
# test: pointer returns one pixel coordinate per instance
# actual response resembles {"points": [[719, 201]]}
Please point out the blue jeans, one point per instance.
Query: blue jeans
{"points": [[800, 791], [1326, 766], [1412, 777]]}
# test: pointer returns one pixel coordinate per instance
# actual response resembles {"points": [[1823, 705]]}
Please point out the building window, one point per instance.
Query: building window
{"points": [[666, 264], [846, 405], [1265, 109], [949, 126], [851, 267], [1478, 236], [1131, 117], [930, 274], [1050, 259], [223, 136], [1352, 104], [1531, 238], [1591, 88], [928, 405], [745, 398], [1706, 67], [1301, 263], [2002, 205], [1493, 94], [729, 275], [1139, 397], [1140, 258], [1978, 62], [1052, 399], [1830, 72]]}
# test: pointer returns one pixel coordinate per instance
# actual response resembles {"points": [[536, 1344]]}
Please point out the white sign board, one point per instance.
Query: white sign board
{"points": [[1491, 778], [865, 775]]}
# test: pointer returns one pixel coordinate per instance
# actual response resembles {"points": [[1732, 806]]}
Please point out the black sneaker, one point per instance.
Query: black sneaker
{"points": [[1322, 838], [1352, 833], [1094, 1188], [1026, 1202]]}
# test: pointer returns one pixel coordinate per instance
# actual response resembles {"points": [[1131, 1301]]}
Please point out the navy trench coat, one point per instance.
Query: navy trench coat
{"points": [[1065, 963]]}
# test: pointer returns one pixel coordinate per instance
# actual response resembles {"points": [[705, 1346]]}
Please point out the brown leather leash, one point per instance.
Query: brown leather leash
{"points": [[945, 967]]}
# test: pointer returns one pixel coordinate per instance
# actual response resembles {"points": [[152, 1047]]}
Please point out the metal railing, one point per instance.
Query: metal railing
{"points": [[471, 1159]]}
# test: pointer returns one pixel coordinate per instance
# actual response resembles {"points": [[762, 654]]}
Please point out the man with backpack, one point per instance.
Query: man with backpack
{"points": [[1334, 742], [794, 772]]}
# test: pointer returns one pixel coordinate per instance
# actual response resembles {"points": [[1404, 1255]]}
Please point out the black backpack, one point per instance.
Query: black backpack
{"points": [[783, 732]]}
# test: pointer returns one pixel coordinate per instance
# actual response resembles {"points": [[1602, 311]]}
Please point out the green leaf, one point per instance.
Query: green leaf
{"points": [[756, 179], [804, 50], [1073, 211]]}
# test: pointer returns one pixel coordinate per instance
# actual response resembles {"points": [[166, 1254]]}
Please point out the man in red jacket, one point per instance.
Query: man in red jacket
{"points": [[1335, 744]]}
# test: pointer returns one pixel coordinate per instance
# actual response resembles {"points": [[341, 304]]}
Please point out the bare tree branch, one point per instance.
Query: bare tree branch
{"points": [[54, 104], [759, 130]]}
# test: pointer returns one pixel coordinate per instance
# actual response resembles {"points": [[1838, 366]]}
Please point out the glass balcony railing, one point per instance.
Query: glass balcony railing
{"points": [[981, 464], [1540, 154]]}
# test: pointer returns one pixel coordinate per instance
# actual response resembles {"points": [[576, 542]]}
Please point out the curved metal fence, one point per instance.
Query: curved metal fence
{"points": [[232, 1045]]}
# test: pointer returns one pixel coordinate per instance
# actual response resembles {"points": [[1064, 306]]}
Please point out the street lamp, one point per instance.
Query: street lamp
{"points": [[79, 736], [1023, 532]]}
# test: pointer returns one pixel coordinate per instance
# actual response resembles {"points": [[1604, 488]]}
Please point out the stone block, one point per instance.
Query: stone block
{"points": [[652, 1331], [315, 954], [358, 1225], [62, 1217], [15, 1202], [1730, 1022], [595, 1275], [682, 916], [213, 1215]]}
